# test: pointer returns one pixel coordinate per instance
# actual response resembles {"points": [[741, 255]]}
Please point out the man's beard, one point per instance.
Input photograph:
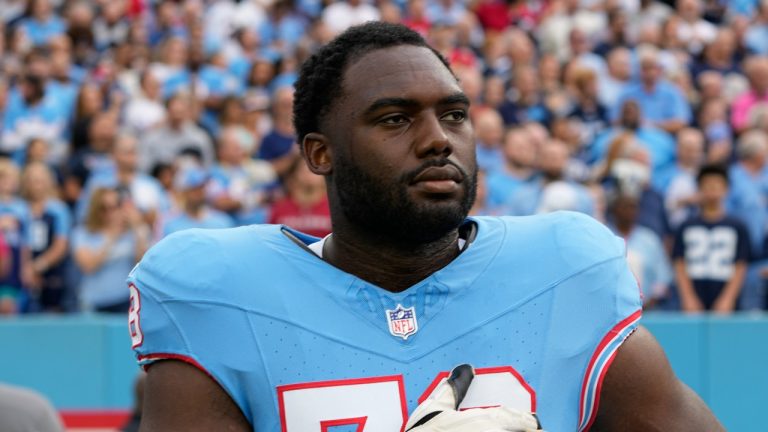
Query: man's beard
{"points": [[387, 209]]}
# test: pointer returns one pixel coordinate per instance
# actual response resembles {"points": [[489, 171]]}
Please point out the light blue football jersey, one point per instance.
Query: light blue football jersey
{"points": [[537, 304]]}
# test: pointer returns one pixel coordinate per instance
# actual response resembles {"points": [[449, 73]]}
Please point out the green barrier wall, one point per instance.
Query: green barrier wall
{"points": [[85, 362]]}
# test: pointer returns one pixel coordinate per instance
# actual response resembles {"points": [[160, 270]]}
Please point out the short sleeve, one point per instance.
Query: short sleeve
{"points": [[182, 308], [599, 302], [81, 238], [155, 332], [62, 220], [682, 110], [743, 249], [678, 249]]}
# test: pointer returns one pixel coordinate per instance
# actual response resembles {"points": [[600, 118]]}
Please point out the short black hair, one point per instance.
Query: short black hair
{"points": [[319, 82], [713, 169]]}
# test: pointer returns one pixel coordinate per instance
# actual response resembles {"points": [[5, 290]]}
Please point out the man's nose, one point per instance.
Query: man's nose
{"points": [[433, 138]]}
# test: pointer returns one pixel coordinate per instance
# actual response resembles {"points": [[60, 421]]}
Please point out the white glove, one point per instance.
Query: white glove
{"points": [[440, 412]]}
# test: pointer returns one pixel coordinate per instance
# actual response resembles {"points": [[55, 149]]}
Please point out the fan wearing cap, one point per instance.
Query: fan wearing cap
{"points": [[194, 212]]}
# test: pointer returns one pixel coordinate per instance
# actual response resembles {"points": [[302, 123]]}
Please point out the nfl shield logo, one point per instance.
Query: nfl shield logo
{"points": [[402, 321]]}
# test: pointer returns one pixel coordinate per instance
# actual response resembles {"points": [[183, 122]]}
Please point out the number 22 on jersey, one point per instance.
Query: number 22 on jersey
{"points": [[379, 404]]}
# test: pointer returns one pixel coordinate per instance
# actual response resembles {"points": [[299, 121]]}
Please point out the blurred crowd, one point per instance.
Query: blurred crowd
{"points": [[124, 121]]}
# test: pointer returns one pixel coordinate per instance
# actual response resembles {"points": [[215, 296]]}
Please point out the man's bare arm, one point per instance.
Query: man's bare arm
{"points": [[180, 397], [641, 393]]}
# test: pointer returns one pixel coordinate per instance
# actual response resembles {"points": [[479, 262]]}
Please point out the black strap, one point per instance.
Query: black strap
{"points": [[425, 419]]}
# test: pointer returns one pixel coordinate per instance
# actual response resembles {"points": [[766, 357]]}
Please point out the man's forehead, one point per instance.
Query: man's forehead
{"points": [[399, 68]]}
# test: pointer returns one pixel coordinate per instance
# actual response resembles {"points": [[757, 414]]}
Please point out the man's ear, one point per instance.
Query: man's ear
{"points": [[317, 153]]}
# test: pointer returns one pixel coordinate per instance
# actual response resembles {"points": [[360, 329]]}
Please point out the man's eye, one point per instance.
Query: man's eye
{"points": [[455, 116], [395, 119]]}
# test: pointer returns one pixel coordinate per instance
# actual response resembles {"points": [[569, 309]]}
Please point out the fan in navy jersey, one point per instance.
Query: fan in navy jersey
{"points": [[711, 249], [49, 227], [265, 328]]}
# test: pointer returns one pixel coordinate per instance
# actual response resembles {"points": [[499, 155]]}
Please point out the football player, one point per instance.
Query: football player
{"points": [[265, 328]]}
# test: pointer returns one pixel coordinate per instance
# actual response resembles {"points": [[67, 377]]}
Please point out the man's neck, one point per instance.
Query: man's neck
{"points": [[713, 212], [648, 87], [688, 167], [125, 176], [751, 168], [519, 171], [624, 228], [195, 211], [390, 265]]}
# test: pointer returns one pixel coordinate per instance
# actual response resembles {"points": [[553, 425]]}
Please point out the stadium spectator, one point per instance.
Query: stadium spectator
{"points": [[526, 103], [342, 14], [111, 27], [679, 187], [230, 114], [618, 75], [14, 224], [636, 133], [220, 86], [167, 23], [260, 74], [553, 159], [106, 246], [711, 250], [40, 23], [31, 112], [49, 227], [191, 183], [562, 18], [713, 121], [582, 52], [649, 11], [519, 50], [239, 185], [179, 133], [719, 55], [746, 107], [550, 74], [756, 37], [95, 157], [747, 195], [587, 108], [692, 29], [618, 32], [662, 103], [141, 190], [519, 168], [746, 201], [90, 101], [416, 17], [279, 145], [489, 133], [8, 295], [627, 169], [256, 119], [145, 111], [305, 206], [646, 255], [80, 16], [171, 69]]}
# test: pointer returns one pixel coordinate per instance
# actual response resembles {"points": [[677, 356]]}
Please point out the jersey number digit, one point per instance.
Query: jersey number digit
{"points": [[134, 321], [710, 254], [373, 404], [379, 404]]}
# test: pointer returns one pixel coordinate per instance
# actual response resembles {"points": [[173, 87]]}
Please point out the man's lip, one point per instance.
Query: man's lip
{"points": [[445, 172]]}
